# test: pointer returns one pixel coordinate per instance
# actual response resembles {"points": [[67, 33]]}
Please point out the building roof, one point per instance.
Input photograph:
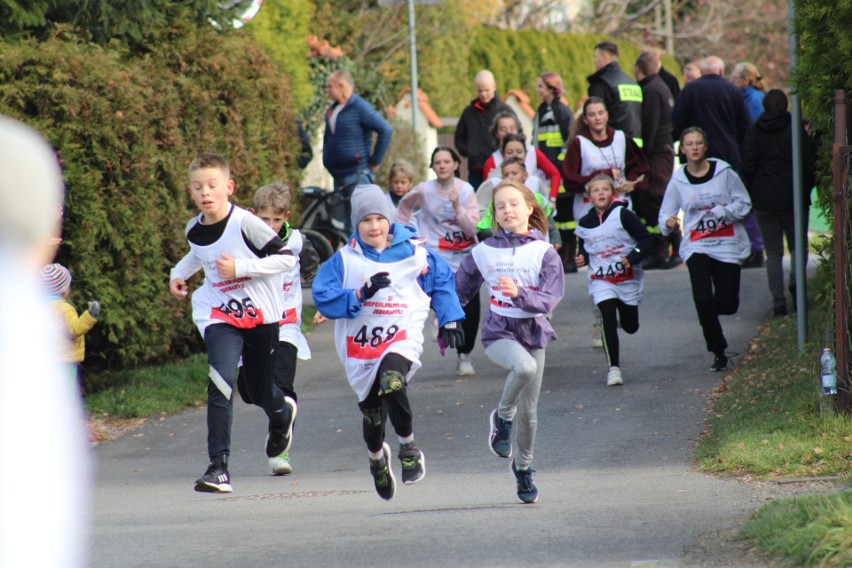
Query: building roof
{"points": [[424, 106], [523, 101]]}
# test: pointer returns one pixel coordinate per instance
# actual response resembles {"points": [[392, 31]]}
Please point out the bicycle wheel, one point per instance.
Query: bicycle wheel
{"points": [[319, 242]]}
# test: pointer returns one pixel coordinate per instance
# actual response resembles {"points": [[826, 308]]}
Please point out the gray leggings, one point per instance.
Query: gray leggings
{"points": [[519, 401]]}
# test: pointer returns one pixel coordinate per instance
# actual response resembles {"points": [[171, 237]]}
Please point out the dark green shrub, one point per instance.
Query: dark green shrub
{"points": [[126, 129]]}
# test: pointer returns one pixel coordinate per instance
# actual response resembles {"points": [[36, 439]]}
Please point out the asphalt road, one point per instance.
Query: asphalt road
{"points": [[613, 464]]}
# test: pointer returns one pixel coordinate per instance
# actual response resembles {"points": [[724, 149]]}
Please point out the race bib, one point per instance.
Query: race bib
{"points": [[455, 241], [614, 273], [370, 343], [711, 228], [241, 314]]}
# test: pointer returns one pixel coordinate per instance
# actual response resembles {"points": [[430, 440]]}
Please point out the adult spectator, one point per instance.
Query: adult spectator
{"points": [[767, 170], [718, 108], [348, 152], [690, 72], [748, 80], [473, 139], [620, 93], [657, 104]]}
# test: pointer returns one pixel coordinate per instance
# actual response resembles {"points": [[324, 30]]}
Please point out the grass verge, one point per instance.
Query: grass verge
{"points": [[765, 422]]}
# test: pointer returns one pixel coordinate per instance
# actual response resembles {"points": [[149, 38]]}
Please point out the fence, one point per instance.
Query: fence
{"points": [[842, 198]]}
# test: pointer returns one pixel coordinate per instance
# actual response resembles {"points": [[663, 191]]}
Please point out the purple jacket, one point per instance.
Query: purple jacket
{"points": [[532, 333]]}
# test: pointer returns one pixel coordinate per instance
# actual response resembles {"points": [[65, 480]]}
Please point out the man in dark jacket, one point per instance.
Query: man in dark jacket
{"points": [[622, 95], [473, 132], [348, 153], [767, 171], [717, 107], [657, 105]]}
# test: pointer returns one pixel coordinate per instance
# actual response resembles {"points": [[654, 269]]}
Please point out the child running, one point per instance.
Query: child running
{"points": [[447, 220], [272, 205], [613, 243], [379, 288], [525, 279], [237, 310], [400, 181]]}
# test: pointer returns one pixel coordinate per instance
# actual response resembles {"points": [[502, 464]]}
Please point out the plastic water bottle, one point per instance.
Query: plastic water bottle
{"points": [[829, 371]]}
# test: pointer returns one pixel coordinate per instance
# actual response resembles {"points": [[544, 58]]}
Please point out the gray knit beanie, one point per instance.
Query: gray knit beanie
{"points": [[369, 199]]}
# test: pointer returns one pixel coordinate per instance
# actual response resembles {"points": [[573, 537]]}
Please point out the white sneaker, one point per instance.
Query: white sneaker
{"points": [[597, 338], [614, 378], [465, 368], [280, 464]]}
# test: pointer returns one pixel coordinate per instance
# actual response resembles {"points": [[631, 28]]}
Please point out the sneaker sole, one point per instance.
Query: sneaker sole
{"points": [[211, 488], [492, 430], [422, 474], [465, 372], [614, 382]]}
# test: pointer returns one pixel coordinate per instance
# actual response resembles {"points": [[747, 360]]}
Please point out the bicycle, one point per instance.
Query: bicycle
{"points": [[319, 226]]}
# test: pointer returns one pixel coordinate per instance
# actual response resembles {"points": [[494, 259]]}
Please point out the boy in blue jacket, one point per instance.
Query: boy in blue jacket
{"points": [[379, 289]]}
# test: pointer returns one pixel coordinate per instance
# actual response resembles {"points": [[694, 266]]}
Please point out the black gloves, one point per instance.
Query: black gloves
{"points": [[451, 334], [377, 281]]}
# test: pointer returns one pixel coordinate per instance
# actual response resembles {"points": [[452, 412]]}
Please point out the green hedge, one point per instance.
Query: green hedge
{"points": [[823, 65], [126, 129]]}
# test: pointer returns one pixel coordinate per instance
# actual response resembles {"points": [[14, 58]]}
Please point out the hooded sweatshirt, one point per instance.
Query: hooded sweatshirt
{"points": [[537, 300], [713, 207]]}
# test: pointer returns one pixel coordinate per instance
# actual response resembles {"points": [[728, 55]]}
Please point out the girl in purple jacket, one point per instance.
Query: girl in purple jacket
{"points": [[525, 281]]}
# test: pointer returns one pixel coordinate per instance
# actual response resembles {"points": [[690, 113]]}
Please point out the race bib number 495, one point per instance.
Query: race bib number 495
{"points": [[241, 314]]}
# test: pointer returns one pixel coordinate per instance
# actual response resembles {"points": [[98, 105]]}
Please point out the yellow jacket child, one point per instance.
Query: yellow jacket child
{"points": [[57, 282]]}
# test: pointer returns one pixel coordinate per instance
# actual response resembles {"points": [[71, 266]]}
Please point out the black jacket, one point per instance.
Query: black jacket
{"points": [[622, 96], [657, 105], [473, 133], [631, 223], [767, 165], [670, 81], [717, 107]]}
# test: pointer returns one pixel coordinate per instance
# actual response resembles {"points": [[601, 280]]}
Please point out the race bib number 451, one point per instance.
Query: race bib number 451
{"points": [[455, 240], [370, 343]]}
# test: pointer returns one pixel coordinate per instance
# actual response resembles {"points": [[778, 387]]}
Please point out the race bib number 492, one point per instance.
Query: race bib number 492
{"points": [[711, 228]]}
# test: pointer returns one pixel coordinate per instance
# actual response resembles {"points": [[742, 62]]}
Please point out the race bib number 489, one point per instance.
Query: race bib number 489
{"points": [[370, 343]]}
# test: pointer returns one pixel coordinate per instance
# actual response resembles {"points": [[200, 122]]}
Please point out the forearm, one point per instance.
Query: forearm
{"points": [[186, 267], [267, 266]]}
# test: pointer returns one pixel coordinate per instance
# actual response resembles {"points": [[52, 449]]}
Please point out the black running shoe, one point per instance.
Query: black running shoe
{"points": [[527, 491], [499, 436], [278, 440], [383, 474], [413, 463], [215, 480], [720, 364]]}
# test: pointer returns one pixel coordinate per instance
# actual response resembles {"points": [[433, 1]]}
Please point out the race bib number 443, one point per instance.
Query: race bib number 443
{"points": [[711, 228], [370, 343]]}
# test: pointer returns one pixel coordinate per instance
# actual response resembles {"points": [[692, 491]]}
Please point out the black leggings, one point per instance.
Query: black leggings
{"points": [[715, 291], [612, 311], [387, 398], [470, 325]]}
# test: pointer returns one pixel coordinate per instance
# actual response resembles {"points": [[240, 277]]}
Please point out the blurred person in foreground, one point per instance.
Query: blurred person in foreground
{"points": [[53, 533]]}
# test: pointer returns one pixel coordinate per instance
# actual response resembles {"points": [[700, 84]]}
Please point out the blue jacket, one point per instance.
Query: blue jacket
{"points": [[716, 106], [347, 151], [754, 102], [335, 302]]}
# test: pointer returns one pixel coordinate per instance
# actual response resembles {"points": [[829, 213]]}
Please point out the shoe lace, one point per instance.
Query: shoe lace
{"points": [[525, 481]]}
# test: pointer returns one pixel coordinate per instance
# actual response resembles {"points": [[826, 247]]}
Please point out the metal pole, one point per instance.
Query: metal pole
{"points": [[669, 27], [799, 234], [415, 96]]}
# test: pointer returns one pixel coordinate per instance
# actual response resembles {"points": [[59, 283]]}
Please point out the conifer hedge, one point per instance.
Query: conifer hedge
{"points": [[126, 128]]}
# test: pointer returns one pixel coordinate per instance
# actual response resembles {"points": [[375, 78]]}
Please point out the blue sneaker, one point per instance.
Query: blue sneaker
{"points": [[499, 436], [527, 491]]}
